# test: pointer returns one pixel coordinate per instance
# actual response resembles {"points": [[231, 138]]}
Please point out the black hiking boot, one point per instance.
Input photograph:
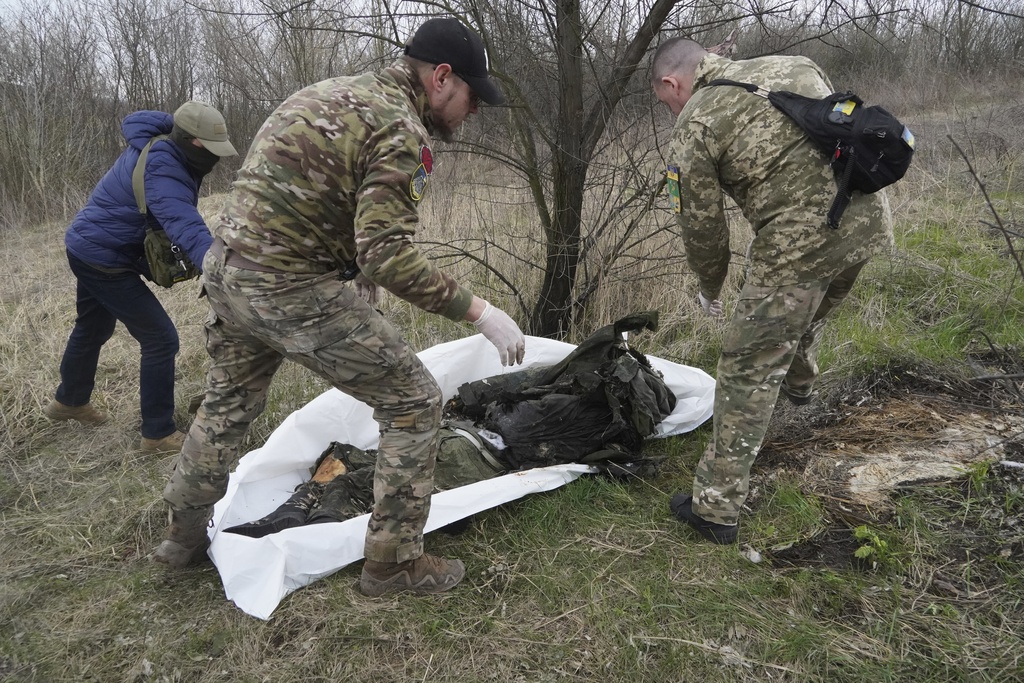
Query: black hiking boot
{"points": [[682, 507], [291, 513]]}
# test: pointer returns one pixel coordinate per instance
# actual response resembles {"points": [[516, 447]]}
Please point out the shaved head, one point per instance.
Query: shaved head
{"points": [[673, 69], [676, 57]]}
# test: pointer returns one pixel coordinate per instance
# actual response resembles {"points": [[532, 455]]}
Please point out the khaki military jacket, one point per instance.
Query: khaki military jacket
{"points": [[727, 140], [336, 174]]}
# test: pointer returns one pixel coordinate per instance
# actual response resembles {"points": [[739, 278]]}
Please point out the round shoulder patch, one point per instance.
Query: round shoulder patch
{"points": [[418, 184]]}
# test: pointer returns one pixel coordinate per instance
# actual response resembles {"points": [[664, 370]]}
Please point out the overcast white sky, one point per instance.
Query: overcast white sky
{"points": [[8, 5]]}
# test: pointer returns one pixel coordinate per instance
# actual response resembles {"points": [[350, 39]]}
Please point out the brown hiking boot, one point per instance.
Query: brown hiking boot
{"points": [[425, 574], [186, 539], [171, 442], [87, 414]]}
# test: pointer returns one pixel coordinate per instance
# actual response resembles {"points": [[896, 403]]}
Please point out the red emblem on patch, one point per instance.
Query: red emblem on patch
{"points": [[427, 159]]}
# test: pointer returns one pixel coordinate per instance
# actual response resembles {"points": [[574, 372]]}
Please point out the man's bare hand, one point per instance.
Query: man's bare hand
{"points": [[367, 290]]}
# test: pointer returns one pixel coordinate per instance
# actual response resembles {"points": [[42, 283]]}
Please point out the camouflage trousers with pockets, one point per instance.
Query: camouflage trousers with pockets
{"points": [[256, 321], [774, 335]]}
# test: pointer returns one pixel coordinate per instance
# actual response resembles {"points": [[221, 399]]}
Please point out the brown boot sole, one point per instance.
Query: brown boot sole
{"points": [[402, 583]]}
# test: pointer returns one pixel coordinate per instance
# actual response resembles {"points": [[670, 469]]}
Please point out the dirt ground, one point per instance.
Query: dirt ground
{"points": [[868, 446]]}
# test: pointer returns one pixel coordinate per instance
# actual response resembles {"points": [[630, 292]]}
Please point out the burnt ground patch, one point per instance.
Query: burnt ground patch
{"points": [[833, 548], [909, 452]]}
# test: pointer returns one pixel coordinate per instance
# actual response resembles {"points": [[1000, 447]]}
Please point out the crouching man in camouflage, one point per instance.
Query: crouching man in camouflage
{"points": [[329, 191], [798, 269]]}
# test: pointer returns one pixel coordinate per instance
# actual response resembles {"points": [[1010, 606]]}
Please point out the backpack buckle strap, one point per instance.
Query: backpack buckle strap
{"points": [[484, 453], [749, 87]]}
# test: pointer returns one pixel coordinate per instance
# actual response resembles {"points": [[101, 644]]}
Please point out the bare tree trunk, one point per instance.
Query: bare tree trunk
{"points": [[551, 312], [575, 141]]}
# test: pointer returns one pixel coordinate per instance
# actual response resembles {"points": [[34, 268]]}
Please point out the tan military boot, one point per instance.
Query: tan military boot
{"points": [[86, 414], [186, 539], [171, 442], [425, 574]]}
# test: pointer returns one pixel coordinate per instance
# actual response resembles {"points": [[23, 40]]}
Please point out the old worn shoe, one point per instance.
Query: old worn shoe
{"points": [[290, 514], [169, 443], [86, 414], [186, 539], [682, 507], [425, 574]]}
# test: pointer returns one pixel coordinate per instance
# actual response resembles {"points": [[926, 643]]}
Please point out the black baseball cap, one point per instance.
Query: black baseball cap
{"points": [[449, 41]]}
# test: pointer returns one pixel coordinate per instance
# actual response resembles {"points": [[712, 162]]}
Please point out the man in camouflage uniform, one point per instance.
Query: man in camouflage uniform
{"points": [[328, 191], [798, 269]]}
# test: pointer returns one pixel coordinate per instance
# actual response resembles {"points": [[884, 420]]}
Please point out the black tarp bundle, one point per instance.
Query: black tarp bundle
{"points": [[597, 405]]}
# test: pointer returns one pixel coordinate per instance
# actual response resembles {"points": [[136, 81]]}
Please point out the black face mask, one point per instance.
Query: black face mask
{"points": [[199, 159]]}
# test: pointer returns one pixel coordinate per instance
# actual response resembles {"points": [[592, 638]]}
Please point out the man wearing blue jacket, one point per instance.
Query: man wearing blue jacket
{"points": [[105, 251]]}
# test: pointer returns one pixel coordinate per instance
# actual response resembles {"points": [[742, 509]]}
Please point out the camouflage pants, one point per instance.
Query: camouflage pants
{"points": [[774, 334], [259, 319]]}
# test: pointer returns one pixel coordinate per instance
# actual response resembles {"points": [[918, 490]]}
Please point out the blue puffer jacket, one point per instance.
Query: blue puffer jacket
{"points": [[109, 231]]}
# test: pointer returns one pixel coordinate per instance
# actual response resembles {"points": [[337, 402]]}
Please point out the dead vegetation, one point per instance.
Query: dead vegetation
{"points": [[910, 445]]}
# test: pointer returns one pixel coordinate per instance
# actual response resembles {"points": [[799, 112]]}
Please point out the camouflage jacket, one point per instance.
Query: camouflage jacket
{"points": [[335, 174], [727, 139]]}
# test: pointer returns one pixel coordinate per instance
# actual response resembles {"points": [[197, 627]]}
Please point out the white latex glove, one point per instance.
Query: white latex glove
{"points": [[503, 332], [367, 290], [712, 308]]}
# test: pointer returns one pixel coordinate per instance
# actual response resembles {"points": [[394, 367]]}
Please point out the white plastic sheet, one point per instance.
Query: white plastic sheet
{"points": [[259, 572]]}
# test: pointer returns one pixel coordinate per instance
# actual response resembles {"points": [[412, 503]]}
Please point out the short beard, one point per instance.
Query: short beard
{"points": [[442, 129], [443, 132]]}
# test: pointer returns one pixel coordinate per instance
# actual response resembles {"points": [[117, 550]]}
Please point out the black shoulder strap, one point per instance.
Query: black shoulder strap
{"points": [[798, 108], [139, 173], [749, 87]]}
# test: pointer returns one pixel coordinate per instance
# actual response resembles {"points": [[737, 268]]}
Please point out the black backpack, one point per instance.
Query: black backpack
{"points": [[868, 148]]}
